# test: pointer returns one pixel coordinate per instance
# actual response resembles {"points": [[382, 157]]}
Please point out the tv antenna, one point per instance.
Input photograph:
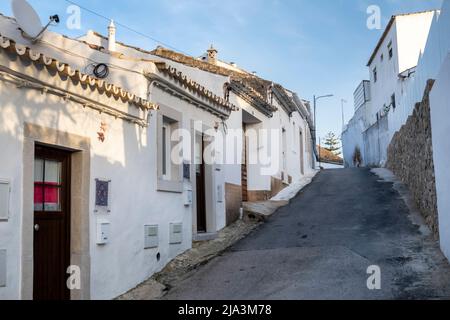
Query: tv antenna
{"points": [[29, 21]]}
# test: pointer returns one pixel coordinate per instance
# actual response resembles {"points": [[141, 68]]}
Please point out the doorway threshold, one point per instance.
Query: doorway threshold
{"points": [[200, 237]]}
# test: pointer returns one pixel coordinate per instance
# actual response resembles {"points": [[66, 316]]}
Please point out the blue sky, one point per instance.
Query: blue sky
{"points": [[309, 46]]}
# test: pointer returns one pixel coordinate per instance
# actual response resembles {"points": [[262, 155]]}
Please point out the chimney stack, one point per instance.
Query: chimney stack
{"points": [[112, 37], [212, 55]]}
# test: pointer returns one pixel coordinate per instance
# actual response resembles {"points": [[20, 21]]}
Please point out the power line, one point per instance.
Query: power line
{"points": [[125, 26]]}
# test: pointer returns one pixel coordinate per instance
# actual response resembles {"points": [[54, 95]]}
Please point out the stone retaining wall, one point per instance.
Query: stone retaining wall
{"points": [[410, 157]]}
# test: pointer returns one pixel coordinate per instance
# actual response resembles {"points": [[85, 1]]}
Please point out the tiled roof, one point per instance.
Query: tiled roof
{"points": [[218, 104], [253, 98], [328, 156], [82, 79], [253, 88], [179, 76], [190, 61], [286, 101]]}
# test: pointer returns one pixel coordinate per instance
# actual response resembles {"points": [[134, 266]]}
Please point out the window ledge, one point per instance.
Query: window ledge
{"points": [[170, 186]]}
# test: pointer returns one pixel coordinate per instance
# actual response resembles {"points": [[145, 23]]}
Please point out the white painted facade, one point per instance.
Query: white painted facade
{"points": [[392, 69], [129, 157], [440, 113]]}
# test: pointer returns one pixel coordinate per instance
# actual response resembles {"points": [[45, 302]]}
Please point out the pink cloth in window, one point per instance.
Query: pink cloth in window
{"points": [[50, 194]]}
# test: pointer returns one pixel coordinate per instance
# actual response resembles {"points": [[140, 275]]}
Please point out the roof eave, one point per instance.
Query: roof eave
{"points": [[380, 42]]}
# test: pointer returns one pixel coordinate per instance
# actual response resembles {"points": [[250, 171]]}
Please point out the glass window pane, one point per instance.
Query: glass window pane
{"points": [[38, 196], [52, 172], [52, 198], [39, 170]]}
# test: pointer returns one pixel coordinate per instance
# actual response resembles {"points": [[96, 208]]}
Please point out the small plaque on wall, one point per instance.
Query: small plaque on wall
{"points": [[102, 196], [186, 171]]}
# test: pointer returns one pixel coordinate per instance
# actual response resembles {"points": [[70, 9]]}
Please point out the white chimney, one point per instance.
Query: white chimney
{"points": [[112, 37], [212, 55]]}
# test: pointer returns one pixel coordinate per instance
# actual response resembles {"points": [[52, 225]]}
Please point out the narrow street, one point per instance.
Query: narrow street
{"points": [[320, 246]]}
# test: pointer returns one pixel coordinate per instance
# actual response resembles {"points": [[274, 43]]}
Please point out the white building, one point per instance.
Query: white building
{"points": [[392, 65], [421, 46], [87, 128], [95, 151]]}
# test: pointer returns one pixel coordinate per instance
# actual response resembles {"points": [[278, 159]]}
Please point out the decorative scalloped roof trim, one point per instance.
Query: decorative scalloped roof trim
{"points": [[65, 69], [284, 99], [194, 86], [245, 93], [253, 91], [208, 67]]}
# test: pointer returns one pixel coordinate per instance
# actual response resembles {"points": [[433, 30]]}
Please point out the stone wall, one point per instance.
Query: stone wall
{"points": [[410, 157]]}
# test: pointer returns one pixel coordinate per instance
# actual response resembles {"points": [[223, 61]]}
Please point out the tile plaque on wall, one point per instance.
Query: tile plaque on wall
{"points": [[186, 171], [102, 196]]}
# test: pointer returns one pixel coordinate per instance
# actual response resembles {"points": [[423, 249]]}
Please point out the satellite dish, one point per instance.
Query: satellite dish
{"points": [[29, 20]]}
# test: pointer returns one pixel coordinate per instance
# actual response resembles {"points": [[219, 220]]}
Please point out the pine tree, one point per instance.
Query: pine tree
{"points": [[332, 144]]}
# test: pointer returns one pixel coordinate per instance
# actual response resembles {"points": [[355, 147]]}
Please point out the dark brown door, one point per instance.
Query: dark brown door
{"points": [[51, 224], [302, 154], [200, 177], [244, 166]]}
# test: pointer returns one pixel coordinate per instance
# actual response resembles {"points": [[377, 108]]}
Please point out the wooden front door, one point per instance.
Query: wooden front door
{"points": [[51, 224], [200, 178]]}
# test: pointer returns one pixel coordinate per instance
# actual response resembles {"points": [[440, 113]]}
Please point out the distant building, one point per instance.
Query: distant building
{"points": [[391, 68], [328, 160]]}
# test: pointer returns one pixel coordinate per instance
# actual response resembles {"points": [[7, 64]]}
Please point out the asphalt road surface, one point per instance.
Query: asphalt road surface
{"points": [[321, 246]]}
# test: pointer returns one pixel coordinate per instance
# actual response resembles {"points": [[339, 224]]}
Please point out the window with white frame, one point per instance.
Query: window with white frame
{"points": [[170, 170]]}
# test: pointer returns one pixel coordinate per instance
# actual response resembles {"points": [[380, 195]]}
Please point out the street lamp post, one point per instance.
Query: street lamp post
{"points": [[343, 101], [315, 118]]}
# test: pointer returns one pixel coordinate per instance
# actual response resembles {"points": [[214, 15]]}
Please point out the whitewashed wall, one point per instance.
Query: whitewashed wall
{"points": [[352, 137], [387, 80], [440, 115], [436, 49], [128, 157], [409, 36]]}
